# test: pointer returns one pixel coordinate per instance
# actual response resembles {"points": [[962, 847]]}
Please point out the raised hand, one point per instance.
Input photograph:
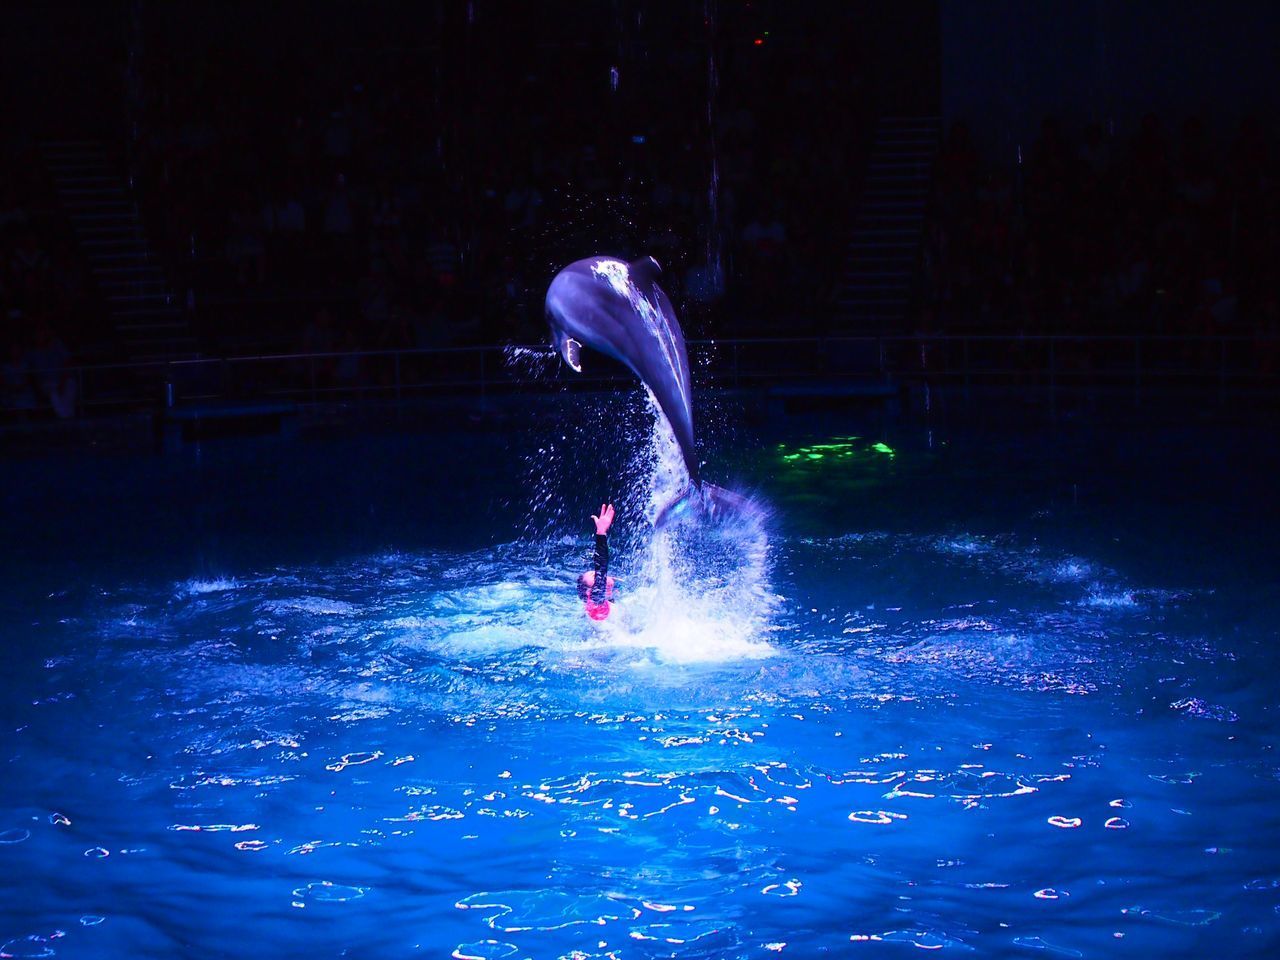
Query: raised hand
{"points": [[604, 519]]}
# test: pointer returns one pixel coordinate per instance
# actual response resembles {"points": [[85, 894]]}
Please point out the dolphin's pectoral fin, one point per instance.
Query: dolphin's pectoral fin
{"points": [[571, 350]]}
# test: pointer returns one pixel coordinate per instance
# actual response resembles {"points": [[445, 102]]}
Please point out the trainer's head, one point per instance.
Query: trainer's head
{"points": [[597, 606]]}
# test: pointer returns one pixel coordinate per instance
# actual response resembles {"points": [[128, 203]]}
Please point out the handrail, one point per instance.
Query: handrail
{"points": [[729, 365], [542, 348]]}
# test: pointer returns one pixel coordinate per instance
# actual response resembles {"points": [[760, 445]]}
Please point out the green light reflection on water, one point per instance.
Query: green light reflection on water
{"points": [[837, 448]]}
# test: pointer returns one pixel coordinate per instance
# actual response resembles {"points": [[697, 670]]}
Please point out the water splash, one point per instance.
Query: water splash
{"points": [[701, 589]]}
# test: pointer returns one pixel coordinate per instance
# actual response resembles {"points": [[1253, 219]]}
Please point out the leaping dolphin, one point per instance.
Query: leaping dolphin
{"points": [[619, 309]]}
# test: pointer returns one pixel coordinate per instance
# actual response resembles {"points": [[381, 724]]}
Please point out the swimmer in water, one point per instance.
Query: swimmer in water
{"points": [[595, 586]]}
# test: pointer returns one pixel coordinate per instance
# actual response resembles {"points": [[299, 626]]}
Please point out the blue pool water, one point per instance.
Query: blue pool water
{"points": [[1005, 692]]}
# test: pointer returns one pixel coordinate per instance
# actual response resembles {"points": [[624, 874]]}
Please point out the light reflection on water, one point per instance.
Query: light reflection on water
{"points": [[910, 742]]}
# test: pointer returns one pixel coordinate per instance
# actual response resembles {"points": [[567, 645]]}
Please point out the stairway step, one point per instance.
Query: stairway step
{"points": [[124, 216], [160, 296], [122, 227], [159, 339], [86, 158], [158, 282], [121, 244], [902, 191], [86, 205], [151, 267], [901, 271], [875, 300], [921, 171], [852, 283], [175, 325], [904, 265], [870, 307], [900, 195], [866, 232], [872, 228], [904, 204], [861, 312], [913, 159], [885, 219], [887, 189], [78, 180], [157, 343], [65, 169], [167, 311], [97, 258], [157, 360]]}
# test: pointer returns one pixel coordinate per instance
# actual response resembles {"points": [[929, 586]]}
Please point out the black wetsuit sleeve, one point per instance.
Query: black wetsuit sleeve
{"points": [[601, 564]]}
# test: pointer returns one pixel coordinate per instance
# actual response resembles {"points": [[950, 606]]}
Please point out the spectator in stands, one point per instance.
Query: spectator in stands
{"points": [[285, 220], [246, 249], [48, 361], [15, 381], [13, 212], [29, 269]]}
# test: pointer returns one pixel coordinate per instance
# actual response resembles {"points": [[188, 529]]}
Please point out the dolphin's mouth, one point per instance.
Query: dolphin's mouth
{"points": [[572, 353]]}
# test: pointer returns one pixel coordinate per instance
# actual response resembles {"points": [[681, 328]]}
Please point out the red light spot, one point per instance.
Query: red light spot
{"points": [[758, 42]]}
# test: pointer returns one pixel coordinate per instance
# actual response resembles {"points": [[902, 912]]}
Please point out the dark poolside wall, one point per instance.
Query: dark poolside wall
{"points": [[1006, 64]]}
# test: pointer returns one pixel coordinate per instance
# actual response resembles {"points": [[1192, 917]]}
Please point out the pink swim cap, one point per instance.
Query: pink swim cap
{"points": [[597, 611]]}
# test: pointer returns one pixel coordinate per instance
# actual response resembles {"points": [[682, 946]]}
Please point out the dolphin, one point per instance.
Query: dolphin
{"points": [[618, 308]]}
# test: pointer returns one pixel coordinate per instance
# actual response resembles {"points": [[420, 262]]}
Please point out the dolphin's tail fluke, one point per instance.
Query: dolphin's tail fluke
{"points": [[703, 500], [720, 503]]}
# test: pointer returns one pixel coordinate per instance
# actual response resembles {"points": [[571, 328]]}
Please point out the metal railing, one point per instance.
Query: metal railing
{"points": [[1137, 363]]}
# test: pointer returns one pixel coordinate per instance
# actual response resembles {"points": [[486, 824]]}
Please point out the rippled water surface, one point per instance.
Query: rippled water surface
{"points": [[955, 699]]}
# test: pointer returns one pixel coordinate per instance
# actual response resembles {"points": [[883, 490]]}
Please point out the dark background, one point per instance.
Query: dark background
{"points": [[339, 176]]}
